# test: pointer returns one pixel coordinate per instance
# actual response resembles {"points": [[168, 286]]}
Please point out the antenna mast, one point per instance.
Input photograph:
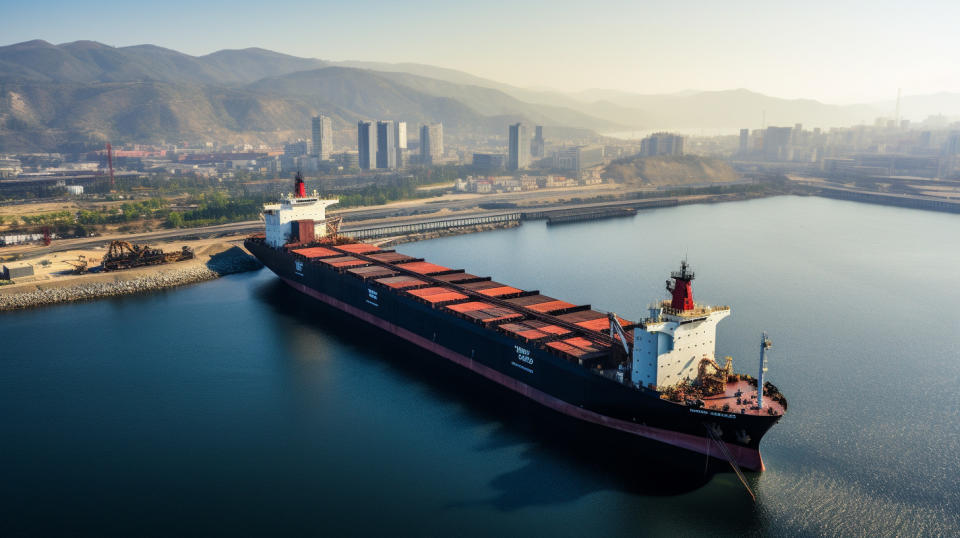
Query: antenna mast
{"points": [[765, 344]]}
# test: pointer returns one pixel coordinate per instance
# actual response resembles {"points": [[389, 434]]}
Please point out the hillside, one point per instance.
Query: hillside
{"points": [[92, 62], [691, 109], [669, 170], [371, 94], [48, 115], [86, 93]]}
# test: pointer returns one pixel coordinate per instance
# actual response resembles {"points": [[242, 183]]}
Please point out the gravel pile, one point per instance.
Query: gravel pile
{"points": [[221, 264]]}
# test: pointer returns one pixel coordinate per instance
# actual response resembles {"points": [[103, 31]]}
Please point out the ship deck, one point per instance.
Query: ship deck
{"points": [[741, 397], [575, 332]]}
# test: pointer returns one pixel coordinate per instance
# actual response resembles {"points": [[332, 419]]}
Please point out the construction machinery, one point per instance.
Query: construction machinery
{"points": [[123, 255], [80, 265]]}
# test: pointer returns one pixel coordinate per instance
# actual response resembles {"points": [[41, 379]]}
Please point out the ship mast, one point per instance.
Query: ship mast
{"points": [[765, 344], [681, 289]]}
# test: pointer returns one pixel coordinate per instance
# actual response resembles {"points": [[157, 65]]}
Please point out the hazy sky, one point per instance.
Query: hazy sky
{"points": [[829, 50]]}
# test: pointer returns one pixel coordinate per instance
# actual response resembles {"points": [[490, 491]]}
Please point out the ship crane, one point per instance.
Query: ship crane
{"points": [[615, 327]]}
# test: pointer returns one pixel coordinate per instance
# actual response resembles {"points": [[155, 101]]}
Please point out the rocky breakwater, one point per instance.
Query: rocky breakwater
{"points": [[95, 286]]}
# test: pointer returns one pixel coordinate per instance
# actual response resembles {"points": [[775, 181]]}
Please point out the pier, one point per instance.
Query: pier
{"points": [[430, 225], [553, 215], [895, 199]]}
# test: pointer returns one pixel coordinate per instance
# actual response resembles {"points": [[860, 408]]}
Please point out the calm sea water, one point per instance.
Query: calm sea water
{"points": [[238, 407]]}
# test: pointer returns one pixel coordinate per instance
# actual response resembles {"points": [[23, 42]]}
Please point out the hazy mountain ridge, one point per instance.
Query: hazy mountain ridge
{"points": [[489, 101], [91, 62], [923, 106], [713, 109], [87, 91], [732, 109]]}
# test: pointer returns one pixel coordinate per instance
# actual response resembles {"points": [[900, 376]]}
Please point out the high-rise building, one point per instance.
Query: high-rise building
{"points": [[322, 137], [519, 147], [776, 143], [744, 141], [796, 136], [367, 145], [400, 136], [386, 145], [537, 144], [431, 143]]}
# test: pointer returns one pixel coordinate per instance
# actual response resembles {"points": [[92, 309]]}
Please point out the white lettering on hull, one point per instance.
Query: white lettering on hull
{"points": [[523, 355]]}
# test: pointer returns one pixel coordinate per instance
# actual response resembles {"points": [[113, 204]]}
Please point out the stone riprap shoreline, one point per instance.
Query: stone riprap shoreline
{"points": [[234, 260]]}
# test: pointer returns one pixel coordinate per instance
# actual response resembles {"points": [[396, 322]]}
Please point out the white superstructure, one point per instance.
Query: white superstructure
{"points": [[292, 208], [669, 346]]}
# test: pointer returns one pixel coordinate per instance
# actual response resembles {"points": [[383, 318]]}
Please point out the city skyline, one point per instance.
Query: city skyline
{"points": [[838, 54]]}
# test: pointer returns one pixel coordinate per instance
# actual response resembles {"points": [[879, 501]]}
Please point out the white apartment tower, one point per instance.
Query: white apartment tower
{"points": [[322, 137]]}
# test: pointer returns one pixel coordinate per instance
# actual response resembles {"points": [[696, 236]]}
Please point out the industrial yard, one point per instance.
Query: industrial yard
{"points": [[55, 277]]}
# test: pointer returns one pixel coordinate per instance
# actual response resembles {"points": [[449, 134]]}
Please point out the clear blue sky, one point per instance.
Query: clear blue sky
{"points": [[829, 50]]}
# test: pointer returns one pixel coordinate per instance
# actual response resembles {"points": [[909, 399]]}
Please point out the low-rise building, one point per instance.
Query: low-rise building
{"points": [[662, 144], [489, 161], [11, 272]]}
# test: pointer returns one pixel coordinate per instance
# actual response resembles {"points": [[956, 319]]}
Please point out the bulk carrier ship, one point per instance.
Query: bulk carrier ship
{"points": [[656, 378]]}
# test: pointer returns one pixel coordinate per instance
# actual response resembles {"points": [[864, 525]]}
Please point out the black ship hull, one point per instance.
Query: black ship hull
{"points": [[530, 371]]}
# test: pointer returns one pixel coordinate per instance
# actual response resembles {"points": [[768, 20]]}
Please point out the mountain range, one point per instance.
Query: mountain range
{"points": [[80, 94]]}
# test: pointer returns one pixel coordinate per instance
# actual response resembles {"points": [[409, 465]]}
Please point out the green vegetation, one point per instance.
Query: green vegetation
{"points": [[216, 208], [211, 201], [131, 211], [232, 204], [152, 208], [405, 189]]}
